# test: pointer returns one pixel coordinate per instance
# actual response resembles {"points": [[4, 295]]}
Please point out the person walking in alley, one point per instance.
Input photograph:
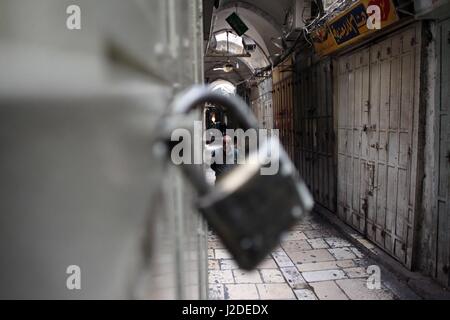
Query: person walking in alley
{"points": [[221, 165]]}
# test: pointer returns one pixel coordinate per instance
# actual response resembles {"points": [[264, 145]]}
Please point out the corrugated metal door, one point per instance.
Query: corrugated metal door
{"points": [[283, 112], [443, 194], [377, 138], [314, 135], [261, 102], [353, 123]]}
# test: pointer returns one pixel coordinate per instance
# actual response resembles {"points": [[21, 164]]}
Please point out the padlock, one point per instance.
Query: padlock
{"points": [[248, 211]]}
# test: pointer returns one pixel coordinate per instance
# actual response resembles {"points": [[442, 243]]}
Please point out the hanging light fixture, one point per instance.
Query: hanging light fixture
{"points": [[227, 67]]}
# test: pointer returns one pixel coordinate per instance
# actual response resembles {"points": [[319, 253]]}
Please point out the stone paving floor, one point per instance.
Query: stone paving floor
{"points": [[313, 262]]}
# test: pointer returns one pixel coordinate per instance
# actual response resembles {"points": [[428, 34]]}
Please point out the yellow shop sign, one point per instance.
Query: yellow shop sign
{"points": [[351, 26]]}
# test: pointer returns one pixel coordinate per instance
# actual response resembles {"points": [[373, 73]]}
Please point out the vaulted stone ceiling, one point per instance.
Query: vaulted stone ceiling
{"points": [[264, 18]]}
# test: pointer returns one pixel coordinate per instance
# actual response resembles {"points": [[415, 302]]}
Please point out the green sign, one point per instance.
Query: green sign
{"points": [[237, 24]]}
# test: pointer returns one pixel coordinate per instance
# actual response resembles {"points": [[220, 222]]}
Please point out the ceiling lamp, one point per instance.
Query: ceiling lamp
{"points": [[227, 67]]}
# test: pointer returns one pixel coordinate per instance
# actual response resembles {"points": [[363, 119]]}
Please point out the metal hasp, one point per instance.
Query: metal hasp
{"points": [[249, 211]]}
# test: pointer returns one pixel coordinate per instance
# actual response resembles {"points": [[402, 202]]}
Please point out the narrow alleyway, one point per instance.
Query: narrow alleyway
{"points": [[314, 262], [110, 110]]}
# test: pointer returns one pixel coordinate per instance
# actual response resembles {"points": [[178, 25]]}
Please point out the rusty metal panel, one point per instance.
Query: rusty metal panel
{"points": [[376, 134]]}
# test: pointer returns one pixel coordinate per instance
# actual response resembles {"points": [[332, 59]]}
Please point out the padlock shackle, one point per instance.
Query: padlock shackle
{"points": [[197, 95], [187, 101]]}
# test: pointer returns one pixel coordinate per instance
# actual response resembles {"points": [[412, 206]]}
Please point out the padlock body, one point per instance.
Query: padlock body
{"points": [[250, 211]]}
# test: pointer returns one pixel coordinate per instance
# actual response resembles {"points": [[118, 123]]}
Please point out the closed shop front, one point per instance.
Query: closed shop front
{"points": [[376, 104], [261, 103], [314, 134], [283, 104]]}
